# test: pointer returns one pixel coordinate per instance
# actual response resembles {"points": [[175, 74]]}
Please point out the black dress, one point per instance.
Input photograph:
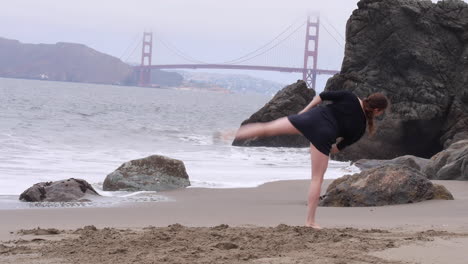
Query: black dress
{"points": [[322, 125]]}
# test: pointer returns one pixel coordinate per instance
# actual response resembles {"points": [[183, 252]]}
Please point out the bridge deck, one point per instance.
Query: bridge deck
{"points": [[237, 67]]}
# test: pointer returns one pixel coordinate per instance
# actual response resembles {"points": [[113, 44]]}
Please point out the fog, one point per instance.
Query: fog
{"points": [[208, 30]]}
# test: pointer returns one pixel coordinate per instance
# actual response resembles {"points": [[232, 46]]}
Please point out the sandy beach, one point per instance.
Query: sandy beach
{"points": [[252, 225]]}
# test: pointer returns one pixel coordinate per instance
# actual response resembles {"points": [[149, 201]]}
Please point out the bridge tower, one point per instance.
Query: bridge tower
{"points": [[146, 54], [309, 75]]}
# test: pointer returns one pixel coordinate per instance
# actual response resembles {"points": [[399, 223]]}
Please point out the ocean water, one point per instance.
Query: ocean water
{"points": [[53, 130]]}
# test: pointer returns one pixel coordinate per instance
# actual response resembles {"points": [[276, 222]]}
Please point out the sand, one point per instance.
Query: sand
{"points": [[254, 225]]}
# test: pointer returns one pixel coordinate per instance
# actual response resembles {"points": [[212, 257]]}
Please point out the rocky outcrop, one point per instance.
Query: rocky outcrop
{"points": [[407, 160], [290, 100], [450, 164], [59, 191], [386, 185], [416, 52], [153, 173]]}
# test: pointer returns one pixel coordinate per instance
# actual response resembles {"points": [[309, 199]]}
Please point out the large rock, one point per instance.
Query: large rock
{"points": [[450, 164], [415, 52], [386, 185], [153, 173], [407, 160], [290, 100], [59, 191]]}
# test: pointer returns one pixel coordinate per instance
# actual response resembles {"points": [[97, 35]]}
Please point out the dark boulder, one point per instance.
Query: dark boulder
{"points": [[153, 173], [415, 52], [407, 160], [386, 185], [290, 100], [59, 191], [450, 164]]}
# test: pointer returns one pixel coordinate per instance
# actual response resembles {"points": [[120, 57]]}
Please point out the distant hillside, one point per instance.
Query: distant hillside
{"points": [[158, 78], [60, 62], [164, 78]]}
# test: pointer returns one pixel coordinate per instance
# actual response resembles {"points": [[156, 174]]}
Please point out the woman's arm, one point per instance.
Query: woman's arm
{"points": [[317, 100]]}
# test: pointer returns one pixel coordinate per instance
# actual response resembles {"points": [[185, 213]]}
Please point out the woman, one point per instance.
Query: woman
{"points": [[346, 118]]}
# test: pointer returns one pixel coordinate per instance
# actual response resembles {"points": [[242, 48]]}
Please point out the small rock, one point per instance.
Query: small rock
{"points": [[59, 191], [226, 245], [90, 228], [39, 231], [441, 193], [220, 227], [153, 173]]}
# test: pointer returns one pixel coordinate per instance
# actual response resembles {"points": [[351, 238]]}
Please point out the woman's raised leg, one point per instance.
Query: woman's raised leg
{"points": [[280, 126], [319, 166]]}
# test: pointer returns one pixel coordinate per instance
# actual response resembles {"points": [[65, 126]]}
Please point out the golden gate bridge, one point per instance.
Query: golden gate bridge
{"points": [[308, 68]]}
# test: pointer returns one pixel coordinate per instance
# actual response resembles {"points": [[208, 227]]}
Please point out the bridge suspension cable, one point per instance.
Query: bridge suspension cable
{"points": [[233, 61], [135, 44], [179, 53], [324, 27], [274, 46], [336, 31], [334, 28]]}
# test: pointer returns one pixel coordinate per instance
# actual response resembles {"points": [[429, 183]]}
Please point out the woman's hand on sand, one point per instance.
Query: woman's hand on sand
{"points": [[334, 149]]}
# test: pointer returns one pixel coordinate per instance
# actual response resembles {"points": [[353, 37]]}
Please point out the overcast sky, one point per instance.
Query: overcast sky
{"points": [[208, 30]]}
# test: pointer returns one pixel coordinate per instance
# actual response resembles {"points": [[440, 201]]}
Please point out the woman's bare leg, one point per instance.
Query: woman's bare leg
{"points": [[319, 166], [280, 126]]}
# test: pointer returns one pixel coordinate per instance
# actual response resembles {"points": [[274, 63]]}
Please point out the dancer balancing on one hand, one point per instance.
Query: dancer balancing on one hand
{"points": [[346, 118]]}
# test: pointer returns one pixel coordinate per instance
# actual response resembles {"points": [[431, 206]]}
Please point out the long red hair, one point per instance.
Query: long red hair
{"points": [[374, 101]]}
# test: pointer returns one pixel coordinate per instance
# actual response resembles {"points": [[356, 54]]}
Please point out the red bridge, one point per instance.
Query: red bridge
{"points": [[309, 70]]}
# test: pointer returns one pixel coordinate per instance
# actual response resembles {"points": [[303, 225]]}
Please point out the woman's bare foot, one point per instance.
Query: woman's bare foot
{"points": [[247, 131], [227, 135], [224, 136], [313, 225]]}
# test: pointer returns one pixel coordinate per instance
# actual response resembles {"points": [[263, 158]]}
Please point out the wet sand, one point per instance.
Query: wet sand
{"points": [[255, 225]]}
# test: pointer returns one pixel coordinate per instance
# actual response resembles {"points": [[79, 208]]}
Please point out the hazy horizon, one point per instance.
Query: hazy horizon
{"points": [[207, 30]]}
